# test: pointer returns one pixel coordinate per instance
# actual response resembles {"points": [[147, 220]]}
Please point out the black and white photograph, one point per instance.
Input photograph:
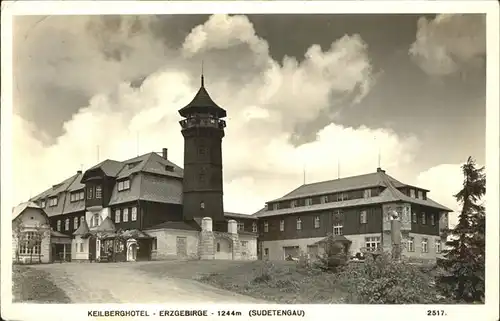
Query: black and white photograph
{"points": [[253, 160]]}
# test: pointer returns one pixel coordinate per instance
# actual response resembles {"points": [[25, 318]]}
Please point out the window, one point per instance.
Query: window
{"points": [[266, 227], [420, 194], [414, 217], [293, 203], [308, 201], [254, 227], [438, 246], [43, 204], [433, 219], [324, 199], [125, 214], [66, 224], [117, 216], [76, 196], [155, 244], [81, 195], [411, 244], [299, 224], [372, 243], [423, 218], [123, 185], [201, 177], [82, 219], [316, 222], [26, 238], [412, 193], [275, 206], [201, 150], [244, 244], [241, 226], [367, 193], [81, 247], [76, 247], [338, 229], [343, 197], [282, 225], [98, 191], [90, 193], [75, 223], [425, 244], [218, 247], [134, 214], [202, 205], [59, 225], [96, 219], [362, 217], [266, 252], [53, 201]]}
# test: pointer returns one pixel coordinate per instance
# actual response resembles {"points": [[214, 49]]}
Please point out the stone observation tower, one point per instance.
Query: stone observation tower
{"points": [[203, 130]]}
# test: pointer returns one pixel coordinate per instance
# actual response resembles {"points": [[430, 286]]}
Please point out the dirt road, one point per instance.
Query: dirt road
{"points": [[124, 283]]}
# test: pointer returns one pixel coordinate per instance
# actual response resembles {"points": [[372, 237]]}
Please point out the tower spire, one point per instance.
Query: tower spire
{"points": [[202, 77]]}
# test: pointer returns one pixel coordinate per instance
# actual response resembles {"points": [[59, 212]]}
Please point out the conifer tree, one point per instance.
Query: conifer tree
{"points": [[464, 257]]}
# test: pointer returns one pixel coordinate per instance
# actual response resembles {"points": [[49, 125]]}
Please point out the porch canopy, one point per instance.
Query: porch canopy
{"points": [[335, 239]]}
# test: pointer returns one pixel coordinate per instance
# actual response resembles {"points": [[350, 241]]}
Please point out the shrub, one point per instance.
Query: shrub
{"points": [[381, 280], [333, 258]]}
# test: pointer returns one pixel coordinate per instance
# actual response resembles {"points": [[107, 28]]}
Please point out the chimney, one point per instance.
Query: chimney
{"points": [[380, 170], [78, 172], [164, 152]]}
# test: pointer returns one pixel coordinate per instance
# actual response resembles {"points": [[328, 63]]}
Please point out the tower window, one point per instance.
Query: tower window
{"points": [[202, 205], [202, 150]]}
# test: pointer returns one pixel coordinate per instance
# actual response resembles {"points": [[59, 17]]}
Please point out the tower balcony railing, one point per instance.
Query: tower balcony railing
{"points": [[210, 122]]}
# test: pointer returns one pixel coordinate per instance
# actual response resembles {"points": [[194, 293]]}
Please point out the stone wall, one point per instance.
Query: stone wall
{"points": [[248, 252], [166, 243]]}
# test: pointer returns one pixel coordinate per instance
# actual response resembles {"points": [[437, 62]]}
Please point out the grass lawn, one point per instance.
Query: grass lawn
{"points": [[279, 281], [31, 285]]}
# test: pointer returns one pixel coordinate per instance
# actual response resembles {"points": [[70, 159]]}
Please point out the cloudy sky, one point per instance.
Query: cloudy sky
{"points": [[300, 91]]}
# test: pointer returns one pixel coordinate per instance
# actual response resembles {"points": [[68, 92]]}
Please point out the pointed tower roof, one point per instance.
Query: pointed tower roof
{"points": [[107, 225], [82, 229], [202, 103]]}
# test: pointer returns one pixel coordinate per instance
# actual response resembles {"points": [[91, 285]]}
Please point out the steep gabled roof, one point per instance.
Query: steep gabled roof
{"points": [[150, 163], [82, 229], [341, 185], [19, 209], [109, 167], [106, 225], [391, 193], [60, 191]]}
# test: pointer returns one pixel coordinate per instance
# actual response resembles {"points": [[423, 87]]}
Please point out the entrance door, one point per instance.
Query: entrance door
{"points": [[181, 246], [92, 248]]}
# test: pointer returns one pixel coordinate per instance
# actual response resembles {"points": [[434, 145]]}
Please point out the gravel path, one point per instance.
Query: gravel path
{"points": [[124, 283]]}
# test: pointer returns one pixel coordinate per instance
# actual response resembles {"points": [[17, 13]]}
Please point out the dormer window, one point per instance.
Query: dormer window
{"points": [[43, 204], [275, 206], [254, 227], [324, 199], [169, 168], [420, 194], [367, 193], [76, 196], [412, 193], [53, 201], [123, 185], [308, 201], [293, 203]]}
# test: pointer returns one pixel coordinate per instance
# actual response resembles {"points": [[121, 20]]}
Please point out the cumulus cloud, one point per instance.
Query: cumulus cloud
{"points": [[444, 181], [449, 44], [266, 100]]}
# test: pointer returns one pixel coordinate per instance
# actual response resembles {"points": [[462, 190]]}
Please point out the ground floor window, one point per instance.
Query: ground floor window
{"points": [[81, 247], [372, 243], [425, 245], [218, 247], [154, 244], [266, 252], [411, 244], [438, 246]]}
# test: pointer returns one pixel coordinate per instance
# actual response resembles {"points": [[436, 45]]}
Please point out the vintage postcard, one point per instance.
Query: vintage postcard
{"points": [[249, 160]]}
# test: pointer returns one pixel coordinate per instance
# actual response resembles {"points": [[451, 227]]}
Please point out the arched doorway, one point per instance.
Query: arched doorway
{"points": [[131, 250]]}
